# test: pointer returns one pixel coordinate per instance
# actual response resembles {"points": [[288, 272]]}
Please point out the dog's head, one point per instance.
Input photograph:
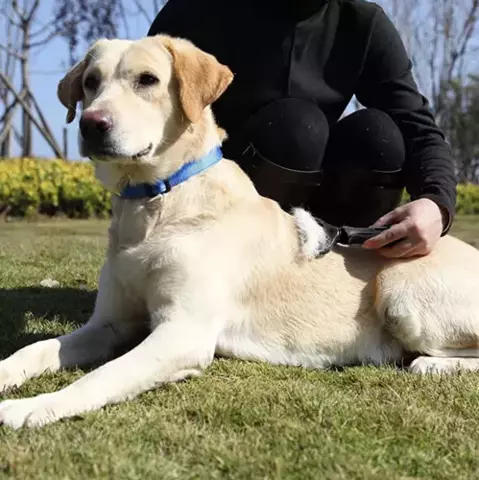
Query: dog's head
{"points": [[138, 96]]}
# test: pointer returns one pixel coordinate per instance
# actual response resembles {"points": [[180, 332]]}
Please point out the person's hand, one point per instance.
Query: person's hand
{"points": [[416, 227]]}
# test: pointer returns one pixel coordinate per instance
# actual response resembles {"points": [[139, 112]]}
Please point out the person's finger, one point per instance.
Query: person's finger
{"points": [[404, 249], [392, 217], [393, 234]]}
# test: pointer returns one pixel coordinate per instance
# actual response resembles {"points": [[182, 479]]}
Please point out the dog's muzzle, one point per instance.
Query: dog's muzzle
{"points": [[96, 127]]}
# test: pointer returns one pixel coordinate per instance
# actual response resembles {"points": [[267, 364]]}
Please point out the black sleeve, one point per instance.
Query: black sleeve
{"points": [[386, 83], [176, 18]]}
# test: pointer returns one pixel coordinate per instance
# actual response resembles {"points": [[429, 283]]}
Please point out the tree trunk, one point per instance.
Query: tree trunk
{"points": [[26, 121], [6, 145], [9, 113]]}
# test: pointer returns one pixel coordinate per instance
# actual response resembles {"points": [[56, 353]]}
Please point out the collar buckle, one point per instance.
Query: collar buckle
{"points": [[168, 186], [154, 189]]}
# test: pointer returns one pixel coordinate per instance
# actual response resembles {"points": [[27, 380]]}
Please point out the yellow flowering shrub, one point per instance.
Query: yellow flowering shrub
{"points": [[467, 202], [468, 199], [31, 186]]}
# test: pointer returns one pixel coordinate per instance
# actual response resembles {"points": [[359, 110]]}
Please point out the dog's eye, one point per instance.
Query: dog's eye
{"points": [[147, 79], [91, 82]]}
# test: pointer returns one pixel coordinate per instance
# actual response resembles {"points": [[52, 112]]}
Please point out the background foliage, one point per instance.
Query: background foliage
{"points": [[32, 187]]}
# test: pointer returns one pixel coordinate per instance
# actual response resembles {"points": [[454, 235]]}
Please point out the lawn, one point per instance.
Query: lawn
{"points": [[239, 421]]}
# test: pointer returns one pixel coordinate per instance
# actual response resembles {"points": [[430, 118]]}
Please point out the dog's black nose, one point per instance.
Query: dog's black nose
{"points": [[95, 124]]}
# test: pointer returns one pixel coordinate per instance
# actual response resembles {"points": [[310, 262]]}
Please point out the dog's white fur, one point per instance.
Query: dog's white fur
{"points": [[213, 268], [313, 237]]}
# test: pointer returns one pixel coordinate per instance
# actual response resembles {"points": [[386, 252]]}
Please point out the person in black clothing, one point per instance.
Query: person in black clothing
{"points": [[297, 64]]}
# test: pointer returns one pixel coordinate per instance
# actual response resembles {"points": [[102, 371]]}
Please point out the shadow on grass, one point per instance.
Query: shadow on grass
{"points": [[50, 309], [61, 305]]}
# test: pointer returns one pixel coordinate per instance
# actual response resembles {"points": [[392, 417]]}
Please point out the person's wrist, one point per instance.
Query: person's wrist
{"points": [[444, 212]]}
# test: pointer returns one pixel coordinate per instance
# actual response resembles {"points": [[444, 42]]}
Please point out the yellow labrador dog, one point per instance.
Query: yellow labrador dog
{"points": [[214, 268]]}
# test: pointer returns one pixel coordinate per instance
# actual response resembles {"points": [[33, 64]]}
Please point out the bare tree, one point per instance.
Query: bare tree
{"points": [[82, 21], [24, 36], [440, 38], [8, 58], [463, 115], [148, 9]]}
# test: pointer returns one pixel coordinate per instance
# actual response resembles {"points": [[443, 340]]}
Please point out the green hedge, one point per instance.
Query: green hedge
{"points": [[467, 202], [30, 187], [468, 199]]}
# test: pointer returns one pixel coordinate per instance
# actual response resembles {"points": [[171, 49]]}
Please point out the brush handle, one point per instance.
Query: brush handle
{"points": [[357, 236]]}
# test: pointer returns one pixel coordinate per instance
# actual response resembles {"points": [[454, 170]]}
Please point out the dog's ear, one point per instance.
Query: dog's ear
{"points": [[70, 88], [201, 78]]}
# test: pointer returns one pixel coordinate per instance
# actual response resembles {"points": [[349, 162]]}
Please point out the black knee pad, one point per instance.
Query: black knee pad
{"points": [[363, 169], [289, 132], [367, 138], [281, 148]]}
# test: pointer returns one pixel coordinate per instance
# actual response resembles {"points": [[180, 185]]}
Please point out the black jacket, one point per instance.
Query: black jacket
{"points": [[324, 50]]}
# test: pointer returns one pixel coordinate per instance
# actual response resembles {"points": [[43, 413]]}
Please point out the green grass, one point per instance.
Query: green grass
{"points": [[241, 420]]}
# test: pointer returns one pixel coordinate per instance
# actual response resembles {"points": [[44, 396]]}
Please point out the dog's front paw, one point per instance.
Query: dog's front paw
{"points": [[9, 377], [27, 412]]}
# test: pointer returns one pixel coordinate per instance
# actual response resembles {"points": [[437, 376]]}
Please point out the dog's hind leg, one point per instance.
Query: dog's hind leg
{"points": [[434, 313], [109, 326], [444, 365]]}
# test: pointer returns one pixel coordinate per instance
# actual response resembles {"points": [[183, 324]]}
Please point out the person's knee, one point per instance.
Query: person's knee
{"points": [[290, 132], [368, 138], [363, 169]]}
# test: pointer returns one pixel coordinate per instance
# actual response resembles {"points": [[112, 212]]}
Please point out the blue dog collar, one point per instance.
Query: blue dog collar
{"points": [[187, 171]]}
